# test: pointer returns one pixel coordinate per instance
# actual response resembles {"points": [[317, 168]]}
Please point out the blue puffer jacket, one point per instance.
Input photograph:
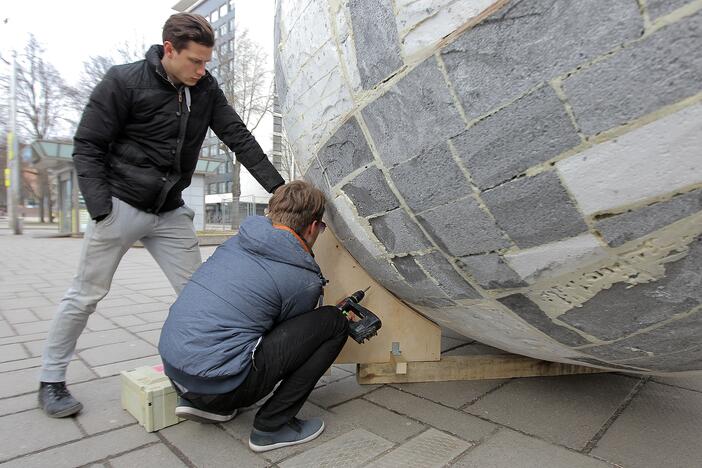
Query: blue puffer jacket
{"points": [[256, 279]]}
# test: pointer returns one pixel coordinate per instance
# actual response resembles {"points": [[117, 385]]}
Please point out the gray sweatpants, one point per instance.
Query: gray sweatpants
{"points": [[169, 237]]}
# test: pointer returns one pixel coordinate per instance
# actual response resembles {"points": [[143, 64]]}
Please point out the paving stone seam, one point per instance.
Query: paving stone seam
{"points": [[175, 450], [677, 386], [480, 397], [106, 460], [592, 443], [397, 445], [496, 423], [345, 401], [72, 441]]}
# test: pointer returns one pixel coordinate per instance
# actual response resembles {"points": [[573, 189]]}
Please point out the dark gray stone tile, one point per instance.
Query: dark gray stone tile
{"points": [[658, 8], [417, 113], [534, 210], [463, 228], [370, 193], [315, 176], [567, 410], [339, 225], [530, 131], [431, 179], [529, 42], [624, 227], [491, 271], [398, 232], [532, 314], [449, 280], [421, 284], [344, 152], [682, 361], [661, 427], [660, 70], [623, 309], [379, 268], [377, 44]]}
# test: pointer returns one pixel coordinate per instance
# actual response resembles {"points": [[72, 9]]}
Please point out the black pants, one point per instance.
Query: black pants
{"points": [[295, 353]]}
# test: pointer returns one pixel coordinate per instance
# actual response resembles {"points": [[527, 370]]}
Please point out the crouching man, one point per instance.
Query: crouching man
{"points": [[248, 319]]}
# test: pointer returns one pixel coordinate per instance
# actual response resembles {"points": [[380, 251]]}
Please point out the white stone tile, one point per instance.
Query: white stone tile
{"points": [[556, 258], [653, 160]]}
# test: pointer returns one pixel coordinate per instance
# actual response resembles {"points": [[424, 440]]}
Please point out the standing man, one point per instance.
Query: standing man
{"points": [[257, 324], [135, 151]]}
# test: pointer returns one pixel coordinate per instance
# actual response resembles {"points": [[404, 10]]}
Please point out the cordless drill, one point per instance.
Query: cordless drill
{"points": [[367, 324]]}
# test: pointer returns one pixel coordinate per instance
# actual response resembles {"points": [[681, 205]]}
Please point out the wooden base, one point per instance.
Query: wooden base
{"points": [[501, 366]]}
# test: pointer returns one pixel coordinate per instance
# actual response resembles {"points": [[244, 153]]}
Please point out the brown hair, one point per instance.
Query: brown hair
{"points": [[296, 205], [184, 27]]}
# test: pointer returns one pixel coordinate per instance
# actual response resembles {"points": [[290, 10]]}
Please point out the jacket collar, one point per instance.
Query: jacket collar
{"points": [[153, 59]]}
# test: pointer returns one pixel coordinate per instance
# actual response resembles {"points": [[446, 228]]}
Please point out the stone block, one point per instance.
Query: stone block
{"points": [[154, 455], [421, 25], [208, 445], [378, 420], [116, 352], [12, 352], [623, 309], [453, 284], [346, 151], [687, 360], [431, 179], [339, 392], [417, 113], [19, 316], [16, 427], [534, 210], [660, 427], [430, 448], [422, 286], [83, 451], [622, 228], [375, 36], [662, 69], [582, 403], [398, 233], [658, 8], [510, 448], [533, 129], [462, 227], [446, 419], [353, 449], [101, 338], [556, 258], [315, 175], [677, 336], [650, 161], [25, 380], [102, 405], [490, 271], [370, 193], [526, 43], [451, 393], [532, 314]]}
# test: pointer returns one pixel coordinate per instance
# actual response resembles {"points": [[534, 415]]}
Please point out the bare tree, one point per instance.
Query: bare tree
{"points": [[41, 107], [244, 77], [94, 70], [288, 167]]}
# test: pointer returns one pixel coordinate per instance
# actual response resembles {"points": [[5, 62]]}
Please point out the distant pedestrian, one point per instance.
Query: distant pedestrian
{"points": [[135, 151]]}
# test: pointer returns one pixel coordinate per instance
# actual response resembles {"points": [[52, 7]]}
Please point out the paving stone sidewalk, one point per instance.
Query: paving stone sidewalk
{"points": [[599, 420]]}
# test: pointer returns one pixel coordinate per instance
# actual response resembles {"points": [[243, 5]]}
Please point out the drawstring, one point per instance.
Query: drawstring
{"points": [[187, 98]]}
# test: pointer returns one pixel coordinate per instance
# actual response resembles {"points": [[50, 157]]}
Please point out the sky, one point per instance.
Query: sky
{"points": [[73, 30]]}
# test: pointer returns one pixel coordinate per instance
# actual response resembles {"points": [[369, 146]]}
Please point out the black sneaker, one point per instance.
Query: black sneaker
{"points": [[57, 401], [187, 410], [297, 431]]}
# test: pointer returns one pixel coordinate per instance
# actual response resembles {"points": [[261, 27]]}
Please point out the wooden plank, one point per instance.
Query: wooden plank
{"points": [[419, 338], [399, 362], [468, 368]]}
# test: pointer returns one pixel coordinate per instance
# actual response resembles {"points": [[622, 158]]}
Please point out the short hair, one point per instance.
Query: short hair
{"points": [[296, 205], [181, 28]]}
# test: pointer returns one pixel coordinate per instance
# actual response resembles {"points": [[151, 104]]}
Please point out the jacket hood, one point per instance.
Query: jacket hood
{"points": [[257, 235]]}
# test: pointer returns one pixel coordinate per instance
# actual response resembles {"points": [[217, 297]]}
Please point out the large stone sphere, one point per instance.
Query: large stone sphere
{"points": [[526, 173]]}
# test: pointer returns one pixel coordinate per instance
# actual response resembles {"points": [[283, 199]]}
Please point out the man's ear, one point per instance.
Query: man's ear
{"points": [[168, 49]]}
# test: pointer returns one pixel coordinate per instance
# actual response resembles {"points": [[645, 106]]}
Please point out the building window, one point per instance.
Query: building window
{"points": [[211, 188], [231, 25], [231, 5], [214, 17], [229, 187], [223, 10], [222, 187]]}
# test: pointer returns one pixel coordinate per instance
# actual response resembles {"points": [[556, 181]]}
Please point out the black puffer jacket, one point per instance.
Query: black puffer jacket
{"points": [[139, 142]]}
